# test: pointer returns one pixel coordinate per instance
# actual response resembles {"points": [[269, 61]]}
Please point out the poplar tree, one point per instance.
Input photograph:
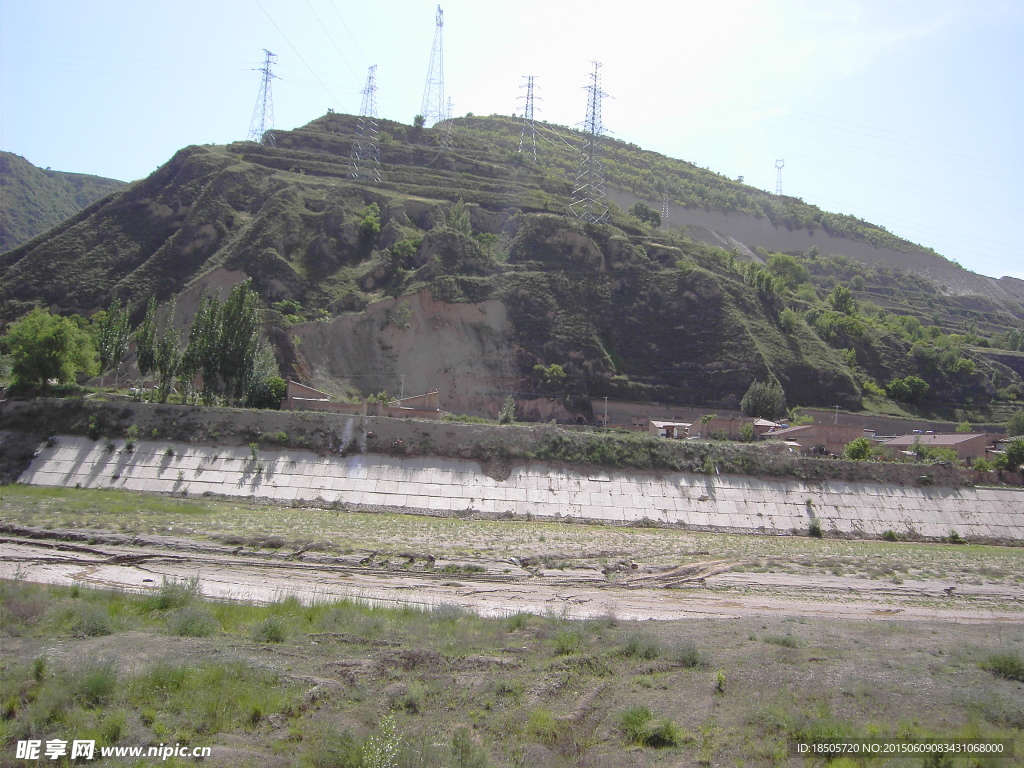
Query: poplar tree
{"points": [[145, 340], [112, 332], [168, 355]]}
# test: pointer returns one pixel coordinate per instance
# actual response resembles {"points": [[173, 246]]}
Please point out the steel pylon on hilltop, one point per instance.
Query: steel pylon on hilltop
{"points": [[365, 148], [262, 123], [588, 194], [779, 165], [434, 106], [529, 126]]}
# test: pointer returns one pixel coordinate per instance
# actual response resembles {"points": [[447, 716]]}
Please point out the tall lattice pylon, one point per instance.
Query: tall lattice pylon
{"points": [[779, 165], [446, 136], [664, 209], [589, 195], [434, 107], [262, 123], [365, 148], [529, 126]]}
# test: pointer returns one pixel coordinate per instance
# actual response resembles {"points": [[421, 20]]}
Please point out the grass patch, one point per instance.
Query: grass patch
{"points": [[1008, 665], [641, 728]]}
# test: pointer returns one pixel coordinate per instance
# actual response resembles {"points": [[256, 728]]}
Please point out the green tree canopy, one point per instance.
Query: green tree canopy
{"points": [[111, 330], [645, 213], [858, 450], [764, 400], [45, 347], [842, 301], [787, 269], [911, 389], [1015, 426]]}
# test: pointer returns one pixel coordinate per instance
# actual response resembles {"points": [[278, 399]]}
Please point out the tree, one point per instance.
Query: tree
{"points": [[645, 213], [787, 269], [45, 347], [418, 122], [789, 320], [112, 330], [202, 355], [1015, 426], [458, 219], [764, 400], [369, 224], [168, 356], [857, 450], [1015, 454], [508, 411], [239, 340], [551, 377], [911, 389], [842, 301], [145, 340]]}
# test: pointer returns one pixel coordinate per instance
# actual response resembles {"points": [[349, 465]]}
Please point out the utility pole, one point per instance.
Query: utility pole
{"points": [[433, 107], [365, 150], [606, 412], [528, 124], [588, 195], [262, 123], [779, 165]]}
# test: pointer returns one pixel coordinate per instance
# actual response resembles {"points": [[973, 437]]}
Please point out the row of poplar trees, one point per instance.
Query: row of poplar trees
{"points": [[223, 361]]}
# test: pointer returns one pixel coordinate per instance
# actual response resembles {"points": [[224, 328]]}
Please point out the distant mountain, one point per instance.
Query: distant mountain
{"points": [[463, 269], [33, 200]]}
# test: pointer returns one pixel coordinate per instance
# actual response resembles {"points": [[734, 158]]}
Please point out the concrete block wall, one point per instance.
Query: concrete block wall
{"points": [[536, 490]]}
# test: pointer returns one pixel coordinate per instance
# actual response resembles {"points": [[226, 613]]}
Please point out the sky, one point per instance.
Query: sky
{"points": [[906, 113]]}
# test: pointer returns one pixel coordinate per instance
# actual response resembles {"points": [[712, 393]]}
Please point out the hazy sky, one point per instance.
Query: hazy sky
{"points": [[906, 113]]}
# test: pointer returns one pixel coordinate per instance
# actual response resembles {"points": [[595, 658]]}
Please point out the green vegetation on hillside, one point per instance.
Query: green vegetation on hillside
{"points": [[33, 200], [625, 310]]}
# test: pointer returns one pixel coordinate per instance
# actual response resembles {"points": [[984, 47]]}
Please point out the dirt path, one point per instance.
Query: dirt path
{"points": [[702, 590]]}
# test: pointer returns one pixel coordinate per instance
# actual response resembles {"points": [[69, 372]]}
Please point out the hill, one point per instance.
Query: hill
{"points": [[33, 200], [461, 270]]}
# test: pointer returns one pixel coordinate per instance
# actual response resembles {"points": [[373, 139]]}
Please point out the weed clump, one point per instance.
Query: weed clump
{"points": [[270, 630], [686, 654], [639, 727], [93, 621], [192, 621], [1008, 665], [174, 594], [640, 646]]}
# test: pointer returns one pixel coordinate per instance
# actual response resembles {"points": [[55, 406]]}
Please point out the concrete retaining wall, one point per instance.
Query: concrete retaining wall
{"points": [[450, 485]]}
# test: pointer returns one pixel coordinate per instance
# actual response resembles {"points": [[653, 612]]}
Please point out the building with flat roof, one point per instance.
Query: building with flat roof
{"points": [[967, 445]]}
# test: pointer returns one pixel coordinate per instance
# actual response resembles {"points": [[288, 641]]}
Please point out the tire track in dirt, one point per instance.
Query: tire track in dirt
{"points": [[698, 590]]}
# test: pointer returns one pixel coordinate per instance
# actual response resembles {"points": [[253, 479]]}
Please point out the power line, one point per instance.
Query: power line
{"points": [[299, 55], [340, 54]]}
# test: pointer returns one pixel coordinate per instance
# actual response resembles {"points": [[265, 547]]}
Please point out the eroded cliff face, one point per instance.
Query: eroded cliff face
{"points": [[465, 350]]}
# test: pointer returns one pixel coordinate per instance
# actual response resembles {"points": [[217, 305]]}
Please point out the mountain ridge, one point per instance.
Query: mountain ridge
{"points": [[627, 309], [33, 200]]}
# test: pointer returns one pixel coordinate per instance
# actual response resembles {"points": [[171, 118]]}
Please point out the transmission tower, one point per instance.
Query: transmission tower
{"points": [[365, 150], [446, 137], [664, 210], [588, 196], [529, 126], [262, 124], [433, 107], [779, 165]]}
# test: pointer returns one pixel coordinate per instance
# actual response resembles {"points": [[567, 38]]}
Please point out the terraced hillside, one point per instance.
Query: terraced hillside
{"points": [[461, 269]]}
